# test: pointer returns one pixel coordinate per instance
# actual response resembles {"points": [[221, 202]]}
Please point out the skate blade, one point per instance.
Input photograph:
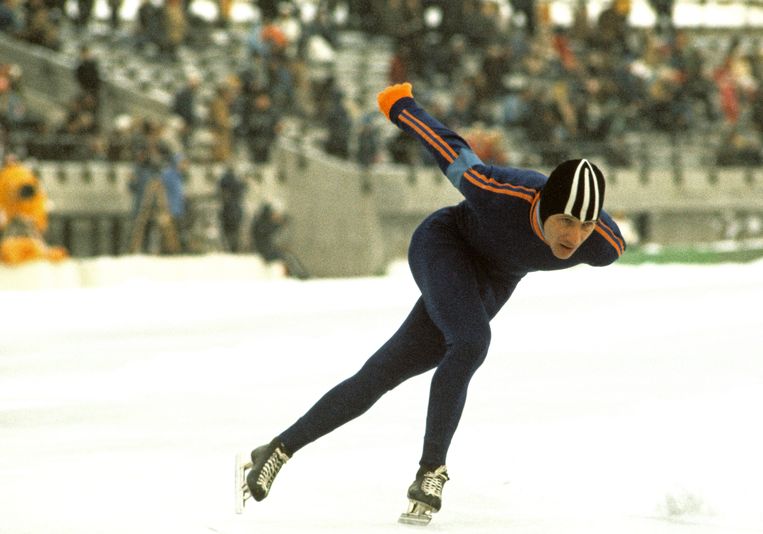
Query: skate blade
{"points": [[418, 514], [243, 465]]}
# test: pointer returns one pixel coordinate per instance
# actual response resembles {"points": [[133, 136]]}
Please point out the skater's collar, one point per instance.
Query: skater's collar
{"points": [[535, 222]]}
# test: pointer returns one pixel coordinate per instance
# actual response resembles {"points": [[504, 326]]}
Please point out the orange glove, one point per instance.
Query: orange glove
{"points": [[392, 94]]}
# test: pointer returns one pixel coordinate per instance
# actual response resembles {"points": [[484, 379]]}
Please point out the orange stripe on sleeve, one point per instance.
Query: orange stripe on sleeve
{"points": [[619, 240], [431, 132], [486, 186], [448, 157], [617, 246], [530, 191]]}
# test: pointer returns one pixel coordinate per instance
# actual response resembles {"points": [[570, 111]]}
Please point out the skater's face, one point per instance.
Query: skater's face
{"points": [[564, 234]]}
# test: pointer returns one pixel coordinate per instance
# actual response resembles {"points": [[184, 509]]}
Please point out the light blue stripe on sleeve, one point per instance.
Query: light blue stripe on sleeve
{"points": [[456, 170]]}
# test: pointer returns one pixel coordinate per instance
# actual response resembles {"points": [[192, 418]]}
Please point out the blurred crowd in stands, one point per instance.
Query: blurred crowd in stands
{"points": [[485, 70]]}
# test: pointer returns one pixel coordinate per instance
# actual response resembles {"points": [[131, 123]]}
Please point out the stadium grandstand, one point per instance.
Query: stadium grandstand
{"points": [[666, 95]]}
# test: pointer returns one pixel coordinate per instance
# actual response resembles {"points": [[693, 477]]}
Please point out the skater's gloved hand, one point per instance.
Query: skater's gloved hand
{"points": [[392, 94]]}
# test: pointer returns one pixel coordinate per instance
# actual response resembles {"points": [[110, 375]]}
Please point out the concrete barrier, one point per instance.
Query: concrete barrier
{"points": [[334, 227], [339, 209], [350, 221]]}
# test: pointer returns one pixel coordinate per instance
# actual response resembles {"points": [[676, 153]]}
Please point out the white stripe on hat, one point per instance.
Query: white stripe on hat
{"points": [[586, 193], [573, 190], [595, 198]]}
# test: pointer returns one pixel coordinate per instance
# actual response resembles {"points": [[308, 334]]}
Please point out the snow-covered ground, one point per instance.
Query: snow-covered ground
{"points": [[617, 400]]}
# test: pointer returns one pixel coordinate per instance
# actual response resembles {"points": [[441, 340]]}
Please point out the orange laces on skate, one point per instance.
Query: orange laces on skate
{"points": [[433, 481], [271, 469]]}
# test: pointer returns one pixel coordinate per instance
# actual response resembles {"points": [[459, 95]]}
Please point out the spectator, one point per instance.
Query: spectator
{"points": [[496, 64], [612, 27], [224, 8], [488, 145], [739, 149], [461, 112], [321, 26], [545, 129], [138, 185], [172, 177], [39, 27], [267, 225], [472, 24], [368, 141], [148, 154], [403, 20], [232, 190], [118, 145], [184, 106], [483, 24], [404, 150], [515, 106], [339, 127], [156, 149], [87, 74], [146, 168], [400, 65], [696, 85], [262, 126], [84, 13], [290, 27], [10, 21], [526, 8], [115, 7], [756, 114], [222, 121], [268, 8], [175, 29], [664, 11], [280, 85], [15, 114], [149, 27], [80, 121], [272, 40]]}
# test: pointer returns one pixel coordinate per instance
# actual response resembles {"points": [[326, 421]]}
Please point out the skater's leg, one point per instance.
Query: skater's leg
{"points": [[416, 347], [461, 301], [467, 332]]}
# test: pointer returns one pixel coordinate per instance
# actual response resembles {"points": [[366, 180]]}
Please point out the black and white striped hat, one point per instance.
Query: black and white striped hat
{"points": [[575, 187]]}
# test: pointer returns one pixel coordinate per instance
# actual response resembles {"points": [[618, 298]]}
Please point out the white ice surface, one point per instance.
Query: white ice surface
{"points": [[619, 400]]}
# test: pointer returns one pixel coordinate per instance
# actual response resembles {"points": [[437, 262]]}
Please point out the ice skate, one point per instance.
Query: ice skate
{"points": [[267, 461], [243, 465], [425, 496], [255, 475]]}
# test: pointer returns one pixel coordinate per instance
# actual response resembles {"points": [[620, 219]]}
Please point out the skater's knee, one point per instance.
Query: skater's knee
{"points": [[470, 348], [468, 351]]}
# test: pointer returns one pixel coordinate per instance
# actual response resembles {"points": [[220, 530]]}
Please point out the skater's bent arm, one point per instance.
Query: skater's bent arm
{"points": [[609, 244]]}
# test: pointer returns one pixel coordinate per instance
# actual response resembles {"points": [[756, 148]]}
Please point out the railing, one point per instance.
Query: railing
{"points": [[91, 202], [52, 77]]}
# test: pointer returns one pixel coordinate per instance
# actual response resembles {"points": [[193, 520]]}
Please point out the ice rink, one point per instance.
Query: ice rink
{"points": [[616, 401]]}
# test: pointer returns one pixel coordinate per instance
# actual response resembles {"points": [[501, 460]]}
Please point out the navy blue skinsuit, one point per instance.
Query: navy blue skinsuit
{"points": [[466, 259]]}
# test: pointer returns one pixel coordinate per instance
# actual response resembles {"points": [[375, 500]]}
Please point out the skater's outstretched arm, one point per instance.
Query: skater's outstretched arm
{"points": [[479, 183]]}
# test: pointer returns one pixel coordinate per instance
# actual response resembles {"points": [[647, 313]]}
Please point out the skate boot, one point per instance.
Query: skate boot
{"points": [[266, 462], [425, 495]]}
